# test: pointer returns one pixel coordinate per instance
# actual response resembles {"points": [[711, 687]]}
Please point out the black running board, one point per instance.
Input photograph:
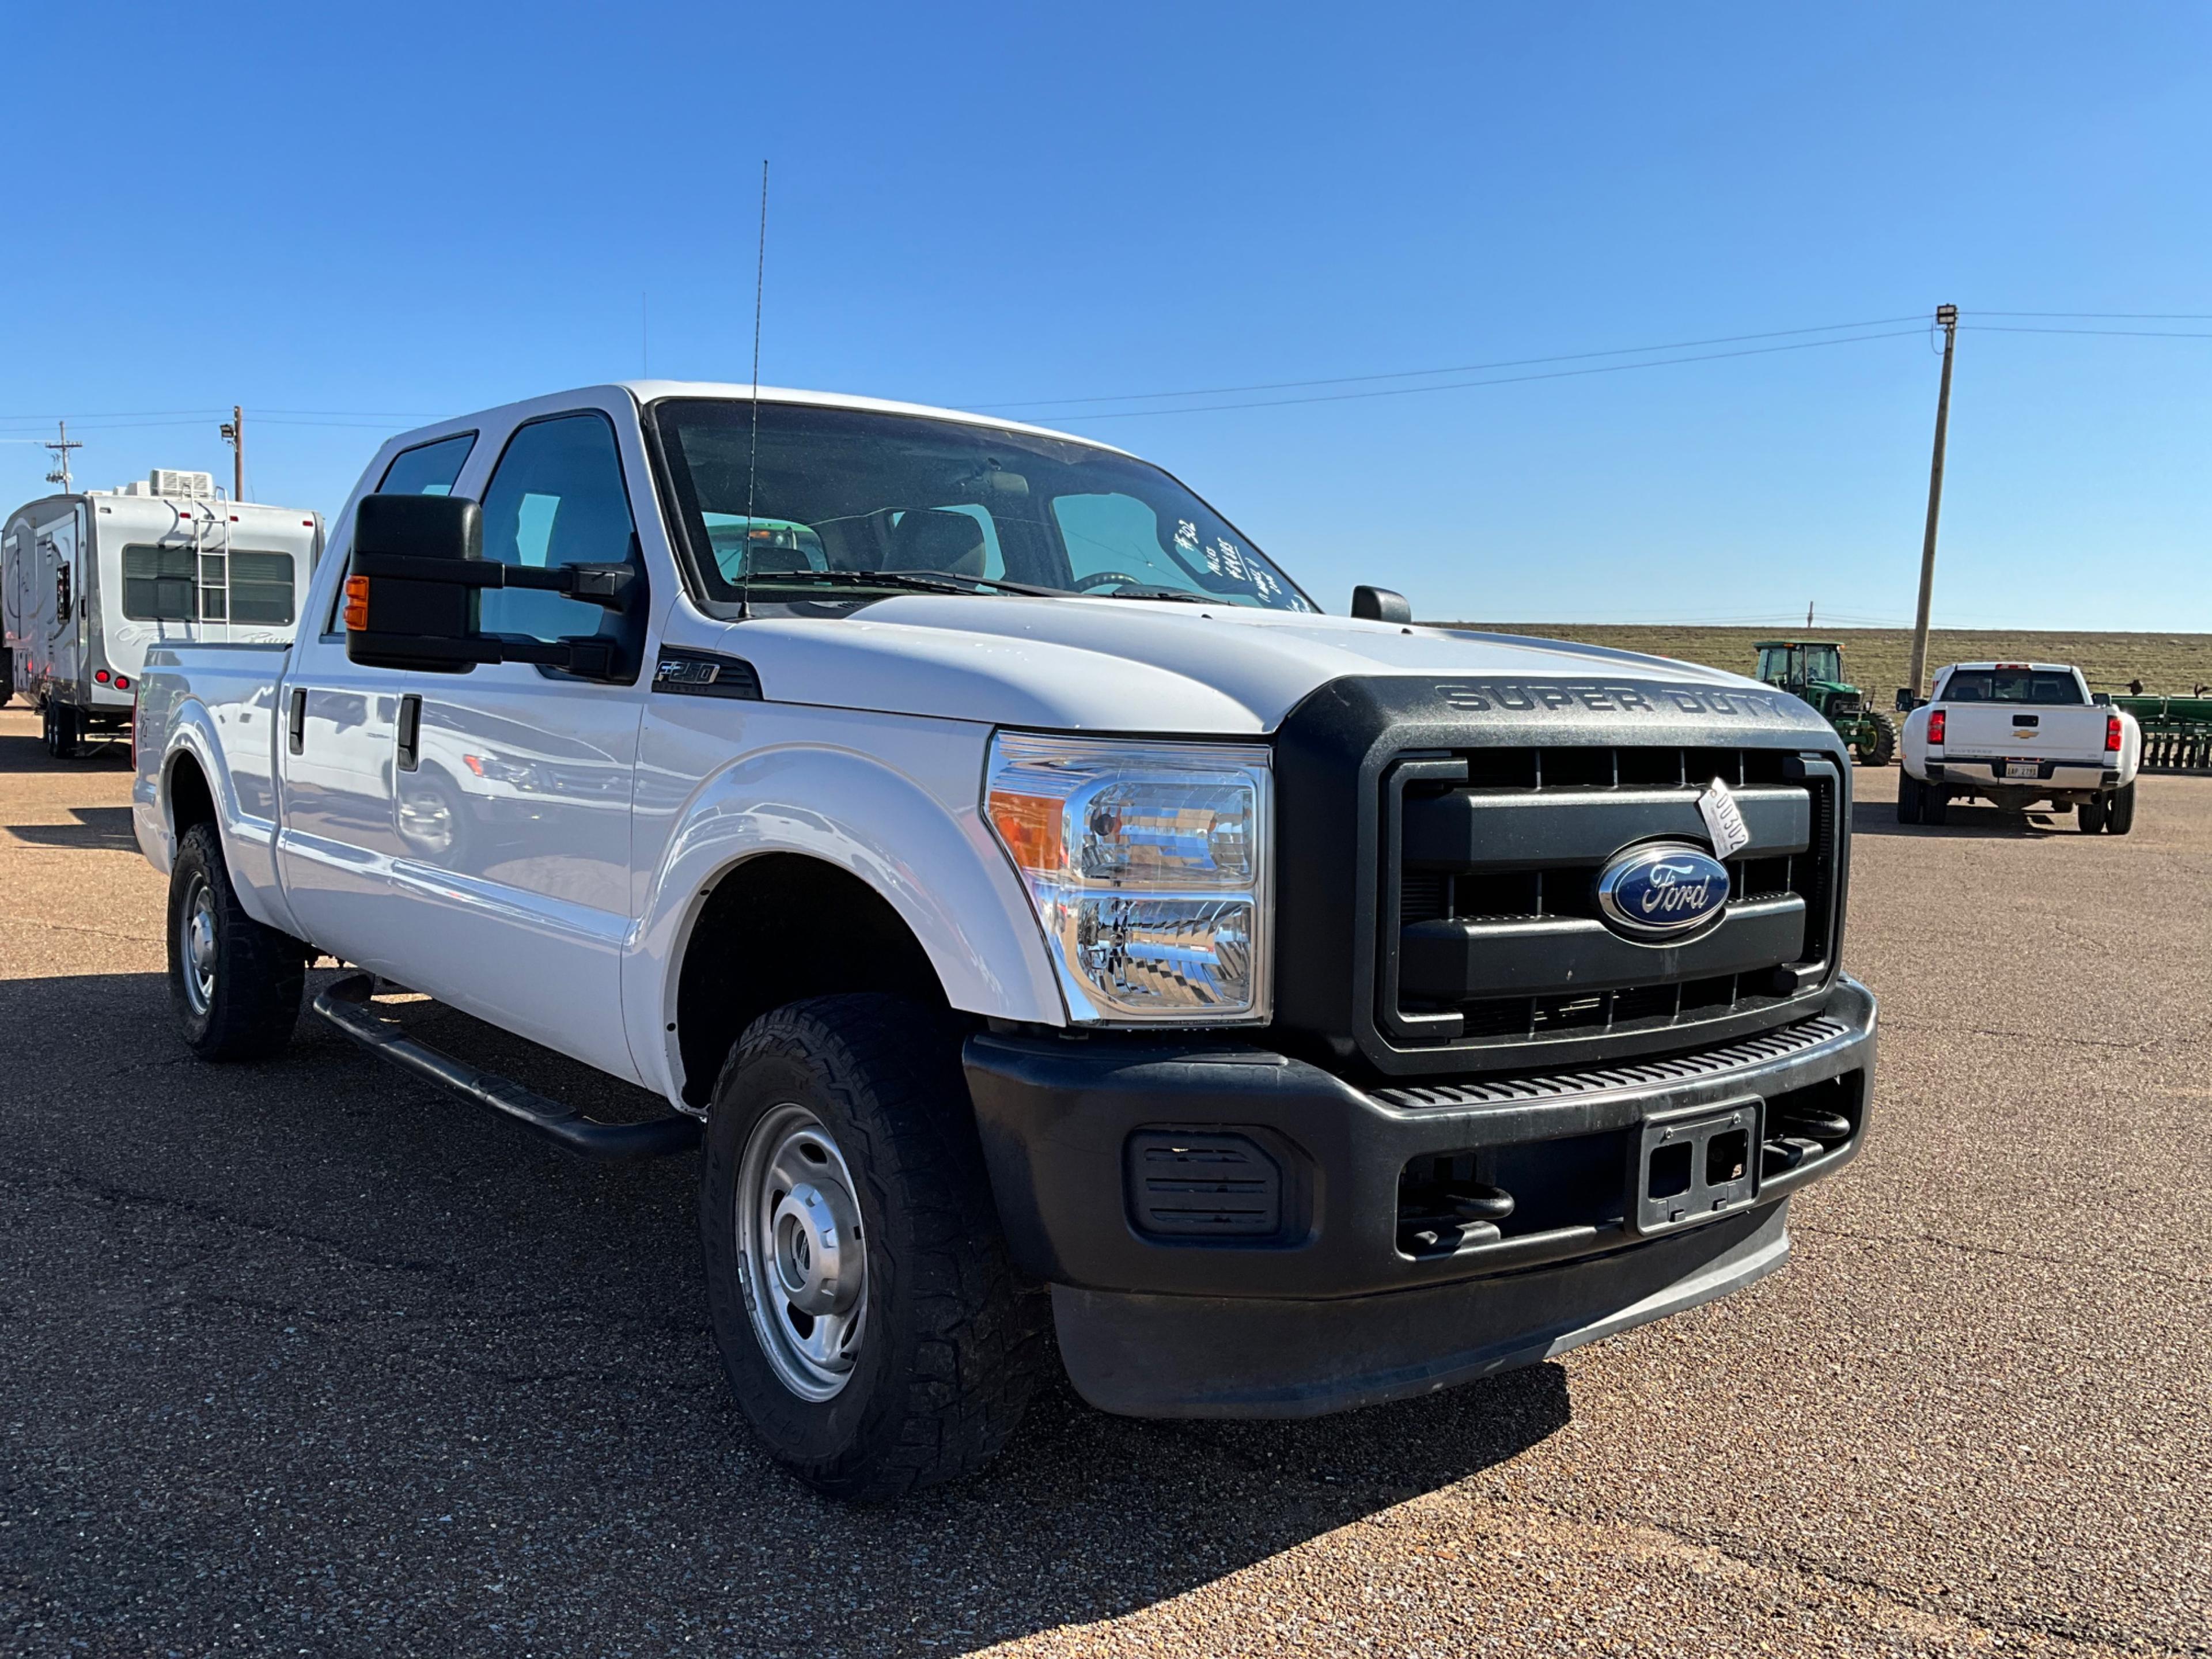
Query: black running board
{"points": [[346, 1005]]}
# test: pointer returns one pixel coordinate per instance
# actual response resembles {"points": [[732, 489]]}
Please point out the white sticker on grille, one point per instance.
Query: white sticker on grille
{"points": [[1724, 820]]}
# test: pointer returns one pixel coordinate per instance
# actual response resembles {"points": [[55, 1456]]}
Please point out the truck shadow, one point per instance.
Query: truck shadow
{"points": [[1879, 817], [435, 1270]]}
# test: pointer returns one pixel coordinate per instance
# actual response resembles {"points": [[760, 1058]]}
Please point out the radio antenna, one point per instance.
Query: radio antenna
{"points": [[753, 463]]}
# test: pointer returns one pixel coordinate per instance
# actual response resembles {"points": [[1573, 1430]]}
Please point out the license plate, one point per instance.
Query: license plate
{"points": [[1695, 1163], [2022, 770]]}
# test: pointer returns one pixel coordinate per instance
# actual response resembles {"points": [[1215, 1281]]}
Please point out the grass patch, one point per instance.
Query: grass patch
{"points": [[1875, 659]]}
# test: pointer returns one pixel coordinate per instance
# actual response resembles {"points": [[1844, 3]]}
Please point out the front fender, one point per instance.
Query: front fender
{"points": [[937, 864]]}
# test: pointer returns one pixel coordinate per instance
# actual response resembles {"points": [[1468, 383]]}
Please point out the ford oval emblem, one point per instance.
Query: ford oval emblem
{"points": [[1662, 888]]}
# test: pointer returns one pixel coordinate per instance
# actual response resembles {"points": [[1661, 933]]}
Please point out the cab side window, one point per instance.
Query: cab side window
{"points": [[557, 497], [426, 469]]}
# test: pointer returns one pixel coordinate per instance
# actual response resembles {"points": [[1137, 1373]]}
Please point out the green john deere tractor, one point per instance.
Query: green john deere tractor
{"points": [[1814, 669]]}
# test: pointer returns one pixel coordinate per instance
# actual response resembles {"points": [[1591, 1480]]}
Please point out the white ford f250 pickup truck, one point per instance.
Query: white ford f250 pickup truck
{"points": [[2019, 734], [1043, 915]]}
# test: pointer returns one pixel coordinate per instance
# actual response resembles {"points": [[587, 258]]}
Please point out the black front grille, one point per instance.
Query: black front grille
{"points": [[1490, 868]]}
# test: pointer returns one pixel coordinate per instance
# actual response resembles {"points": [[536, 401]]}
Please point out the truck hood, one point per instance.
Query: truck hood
{"points": [[1134, 665]]}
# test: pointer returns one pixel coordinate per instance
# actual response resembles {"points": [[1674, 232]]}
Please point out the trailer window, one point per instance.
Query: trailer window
{"points": [[159, 584], [260, 587]]}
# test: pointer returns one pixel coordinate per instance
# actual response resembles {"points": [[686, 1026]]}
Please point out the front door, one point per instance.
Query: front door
{"points": [[512, 808]]}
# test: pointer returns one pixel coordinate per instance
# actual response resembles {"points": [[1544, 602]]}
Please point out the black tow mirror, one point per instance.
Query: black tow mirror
{"points": [[413, 586], [1380, 605]]}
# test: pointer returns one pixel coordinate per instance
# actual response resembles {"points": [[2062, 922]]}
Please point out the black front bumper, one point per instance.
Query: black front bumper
{"points": [[1312, 1301]]}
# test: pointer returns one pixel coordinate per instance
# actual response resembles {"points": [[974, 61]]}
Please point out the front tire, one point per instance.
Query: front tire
{"points": [[2120, 811], [236, 984], [1881, 748], [868, 1317]]}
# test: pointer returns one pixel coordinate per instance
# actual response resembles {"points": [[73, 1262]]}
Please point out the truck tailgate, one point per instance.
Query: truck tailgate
{"points": [[2025, 730]]}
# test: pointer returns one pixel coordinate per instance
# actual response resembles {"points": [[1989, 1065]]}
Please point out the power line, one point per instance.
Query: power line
{"points": [[1506, 380], [2110, 316], [2107, 333], [1458, 368]]}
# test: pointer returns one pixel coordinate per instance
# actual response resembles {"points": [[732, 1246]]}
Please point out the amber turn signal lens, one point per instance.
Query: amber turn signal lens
{"points": [[1029, 825], [356, 603]]}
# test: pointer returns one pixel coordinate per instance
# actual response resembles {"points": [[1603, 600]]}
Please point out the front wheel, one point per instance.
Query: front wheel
{"points": [[235, 983], [2120, 811], [1877, 744], [868, 1317]]}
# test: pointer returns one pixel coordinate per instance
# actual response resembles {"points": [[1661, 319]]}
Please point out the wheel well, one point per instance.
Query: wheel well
{"points": [[775, 929], [191, 801]]}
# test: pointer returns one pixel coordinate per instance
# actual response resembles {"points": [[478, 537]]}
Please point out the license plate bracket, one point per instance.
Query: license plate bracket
{"points": [[1695, 1163], [2022, 770]]}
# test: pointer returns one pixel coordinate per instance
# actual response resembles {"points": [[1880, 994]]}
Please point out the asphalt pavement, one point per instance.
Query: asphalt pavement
{"points": [[306, 1358]]}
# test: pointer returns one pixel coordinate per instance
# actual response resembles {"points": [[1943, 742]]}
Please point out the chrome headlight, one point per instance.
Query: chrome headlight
{"points": [[1148, 864]]}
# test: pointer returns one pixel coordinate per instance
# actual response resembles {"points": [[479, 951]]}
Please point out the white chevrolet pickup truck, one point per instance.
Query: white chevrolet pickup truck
{"points": [[2019, 735], [1042, 918]]}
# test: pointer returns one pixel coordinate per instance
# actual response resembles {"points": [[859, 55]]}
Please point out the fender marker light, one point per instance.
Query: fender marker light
{"points": [[357, 604]]}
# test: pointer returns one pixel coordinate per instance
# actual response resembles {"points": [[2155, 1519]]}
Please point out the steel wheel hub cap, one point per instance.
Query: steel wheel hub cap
{"points": [[800, 1253], [199, 946]]}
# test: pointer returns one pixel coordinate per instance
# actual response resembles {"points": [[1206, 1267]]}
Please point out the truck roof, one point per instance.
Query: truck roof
{"points": [[2032, 667], [650, 391]]}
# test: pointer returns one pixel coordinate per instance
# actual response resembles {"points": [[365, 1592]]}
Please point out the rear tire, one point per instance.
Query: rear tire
{"points": [[1935, 805], [2092, 814], [2120, 811], [60, 727], [1911, 793], [235, 983], [869, 1319]]}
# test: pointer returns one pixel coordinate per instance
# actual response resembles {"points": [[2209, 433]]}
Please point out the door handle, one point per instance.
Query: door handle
{"points": [[411, 732], [297, 737]]}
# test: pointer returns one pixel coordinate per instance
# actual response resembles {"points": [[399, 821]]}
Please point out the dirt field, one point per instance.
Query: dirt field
{"points": [[304, 1358], [1875, 658]]}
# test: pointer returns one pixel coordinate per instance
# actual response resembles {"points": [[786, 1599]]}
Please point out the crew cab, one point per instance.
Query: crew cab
{"points": [[2020, 735], [1039, 913]]}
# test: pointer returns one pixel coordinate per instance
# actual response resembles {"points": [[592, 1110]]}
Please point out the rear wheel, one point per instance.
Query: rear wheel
{"points": [[1935, 804], [2091, 813], [869, 1319], [1910, 791], [235, 983], [2120, 811], [60, 728]]}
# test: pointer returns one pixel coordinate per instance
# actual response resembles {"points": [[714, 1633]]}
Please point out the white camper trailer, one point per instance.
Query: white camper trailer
{"points": [[88, 581]]}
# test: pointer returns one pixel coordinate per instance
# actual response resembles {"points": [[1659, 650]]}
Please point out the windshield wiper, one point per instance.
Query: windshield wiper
{"points": [[919, 581], [1138, 592]]}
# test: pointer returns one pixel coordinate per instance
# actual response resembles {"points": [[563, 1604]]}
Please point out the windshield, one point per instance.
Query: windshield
{"points": [[838, 494], [2010, 685]]}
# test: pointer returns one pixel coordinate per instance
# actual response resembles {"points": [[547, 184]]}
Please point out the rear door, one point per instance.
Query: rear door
{"points": [[337, 727]]}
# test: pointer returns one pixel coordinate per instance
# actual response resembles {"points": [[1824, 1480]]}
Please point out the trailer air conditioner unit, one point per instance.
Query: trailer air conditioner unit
{"points": [[190, 486]]}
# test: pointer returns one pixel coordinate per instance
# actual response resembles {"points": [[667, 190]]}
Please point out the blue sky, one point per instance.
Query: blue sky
{"points": [[355, 215]]}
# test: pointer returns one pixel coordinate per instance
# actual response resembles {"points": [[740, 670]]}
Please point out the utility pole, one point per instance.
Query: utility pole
{"points": [[1808, 615], [234, 433], [1946, 318], [60, 475]]}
